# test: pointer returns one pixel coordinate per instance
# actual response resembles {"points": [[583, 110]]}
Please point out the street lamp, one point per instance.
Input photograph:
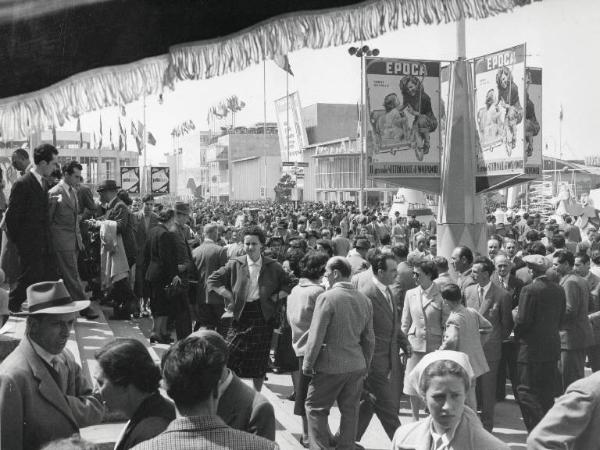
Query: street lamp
{"points": [[362, 52]]}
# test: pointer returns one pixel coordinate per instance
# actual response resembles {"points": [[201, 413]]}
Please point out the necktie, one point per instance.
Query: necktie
{"points": [[480, 295], [388, 295], [57, 366]]}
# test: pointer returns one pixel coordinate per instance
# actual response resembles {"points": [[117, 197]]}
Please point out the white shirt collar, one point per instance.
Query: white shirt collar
{"points": [[228, 379], [45, 355], [428, 290], [382, 287], [486, 288], [446, 436], [37, 176], [253, 263]]}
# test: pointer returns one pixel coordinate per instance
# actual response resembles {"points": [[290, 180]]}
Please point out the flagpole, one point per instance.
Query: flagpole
{"points": [[144, 155], [265, 121], [287, 111], [361, 168]]}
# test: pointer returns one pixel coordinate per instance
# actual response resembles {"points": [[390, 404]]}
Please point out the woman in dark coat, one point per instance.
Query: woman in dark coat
{"points": [[161, 258], [251, 286], [128, 382]]}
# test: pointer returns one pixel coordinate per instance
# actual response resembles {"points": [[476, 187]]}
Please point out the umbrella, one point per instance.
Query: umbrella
{"points": [[62, 58]]}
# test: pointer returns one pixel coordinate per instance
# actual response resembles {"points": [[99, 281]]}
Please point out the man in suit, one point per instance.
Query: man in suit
{"points": [[582, 268], [43, 394], [209, 257], [495, 304], [573, 421], [28, 226], [192, 369], [380, 394], [240, 406], [146, 219], [504, 278], [576, 330], [462, 261], [116, 210], [65, 233], [443, 277], [357, 256], [540, 313], [338, 353]]}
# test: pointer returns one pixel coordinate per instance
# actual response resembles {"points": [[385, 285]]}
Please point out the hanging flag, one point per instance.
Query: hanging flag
{"points": [[112, 144], [122, 137], [561, 114], [79, 131], [359, 124], [151, 139], [123, 111], [100, 141], [135, 132], [283, 62]]}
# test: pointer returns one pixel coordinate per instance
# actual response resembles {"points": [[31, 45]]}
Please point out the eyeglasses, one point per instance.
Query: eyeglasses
{"points": [[416, 274]]}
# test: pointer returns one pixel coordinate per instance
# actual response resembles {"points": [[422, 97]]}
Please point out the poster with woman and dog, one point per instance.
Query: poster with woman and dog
{"points": [[403, 101], [499, 112]]}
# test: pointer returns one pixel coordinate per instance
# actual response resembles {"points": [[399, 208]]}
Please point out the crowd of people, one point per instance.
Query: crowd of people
{"points": [[355, 304]]}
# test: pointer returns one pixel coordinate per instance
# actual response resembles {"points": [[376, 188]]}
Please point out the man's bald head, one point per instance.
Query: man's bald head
{"points": [[503, 265]]}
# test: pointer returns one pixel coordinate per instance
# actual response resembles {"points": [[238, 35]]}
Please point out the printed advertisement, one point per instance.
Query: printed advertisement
{"points": [[499, 99], [160, 180], [130, 179], [533, 121], [292, 136]]}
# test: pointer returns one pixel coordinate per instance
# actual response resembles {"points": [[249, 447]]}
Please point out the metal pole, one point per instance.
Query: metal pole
{"points": [[363, 139], [287, 112], [265, 122], [144, 155]]}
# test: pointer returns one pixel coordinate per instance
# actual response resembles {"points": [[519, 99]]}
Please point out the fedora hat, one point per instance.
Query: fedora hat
{"points": [[108, 185], [182, 208], [52, 297]]}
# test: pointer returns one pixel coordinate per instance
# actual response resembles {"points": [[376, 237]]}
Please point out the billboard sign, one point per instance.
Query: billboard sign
{"points": [[403, 103], [292, 135], [533, 121], [130, 179], [159, 180], [499, 98]]}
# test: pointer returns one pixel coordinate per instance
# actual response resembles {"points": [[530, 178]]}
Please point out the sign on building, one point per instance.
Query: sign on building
{"points": [[292, 135], [533, 121], [403, 103], [160, 178], [499, 112], [130, 179]]}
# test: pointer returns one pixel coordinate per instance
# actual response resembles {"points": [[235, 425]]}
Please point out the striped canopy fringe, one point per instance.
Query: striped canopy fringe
{"points": [[118, 85]]}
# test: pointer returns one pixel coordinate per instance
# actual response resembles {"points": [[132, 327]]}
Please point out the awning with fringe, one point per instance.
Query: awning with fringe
{"points": [[63, 58]]}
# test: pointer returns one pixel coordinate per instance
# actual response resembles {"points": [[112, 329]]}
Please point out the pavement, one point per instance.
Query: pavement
{"points": [[91, 335]]}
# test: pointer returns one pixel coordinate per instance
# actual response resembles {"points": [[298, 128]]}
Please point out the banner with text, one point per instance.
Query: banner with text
{"points": [[403, 103], [292, 135], [533, 121], [499, 98], [160, 179], [130, 179]]}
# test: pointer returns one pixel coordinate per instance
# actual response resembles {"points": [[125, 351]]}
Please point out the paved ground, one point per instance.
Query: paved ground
{"points": [[92, 335]]}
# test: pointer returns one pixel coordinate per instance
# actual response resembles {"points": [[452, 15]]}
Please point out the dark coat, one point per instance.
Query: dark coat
{"points": [[235, 277], [386, 325], [208, 257], [27, 219], [541, 310], [576, 330], [141, 237], [152, 417], [242, 408], [161, 256], [118, 211]]}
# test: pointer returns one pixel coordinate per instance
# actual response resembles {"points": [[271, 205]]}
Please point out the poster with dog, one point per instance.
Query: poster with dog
{"points": [[533, 121], [403, 102], [499, 112]]}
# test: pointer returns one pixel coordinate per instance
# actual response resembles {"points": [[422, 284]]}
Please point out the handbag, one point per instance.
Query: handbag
{"points": [[174, 290]]}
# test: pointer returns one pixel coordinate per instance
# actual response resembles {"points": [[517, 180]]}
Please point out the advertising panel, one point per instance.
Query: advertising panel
{"points": [[403, 102], [130, 179], [292, 136], [499, 113], [533, 121], [160, 178]]}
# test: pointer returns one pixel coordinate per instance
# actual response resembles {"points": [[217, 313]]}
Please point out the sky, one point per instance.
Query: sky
{"points": [[562, 38]]}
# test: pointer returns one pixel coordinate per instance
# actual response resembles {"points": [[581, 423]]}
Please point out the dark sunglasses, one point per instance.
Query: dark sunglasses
{"points": [[416, 274]]}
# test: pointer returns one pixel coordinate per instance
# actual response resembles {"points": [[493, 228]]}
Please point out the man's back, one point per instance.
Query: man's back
{"points": [[541, 310], [204, 433], [208, 257], [575, 331]]}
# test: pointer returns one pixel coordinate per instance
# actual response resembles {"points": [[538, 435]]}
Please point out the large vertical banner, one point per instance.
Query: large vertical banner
{"points": [[403, 101], [445, 72], [292, 135], [499, 112], [159, 180], [533, 121], [130, 179]]}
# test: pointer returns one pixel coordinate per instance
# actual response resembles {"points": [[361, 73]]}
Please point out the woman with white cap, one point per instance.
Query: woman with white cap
{"points": [[443, 379]]}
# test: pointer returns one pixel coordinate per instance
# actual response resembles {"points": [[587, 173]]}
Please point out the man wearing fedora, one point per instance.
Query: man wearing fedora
{"points": [[27, 223], [43, 394], [124, 299]]}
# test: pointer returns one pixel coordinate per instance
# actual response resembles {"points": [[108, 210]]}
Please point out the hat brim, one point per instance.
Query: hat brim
{"points": [[72, 307]]}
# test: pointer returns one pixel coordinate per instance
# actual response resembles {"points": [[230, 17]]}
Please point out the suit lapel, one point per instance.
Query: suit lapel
{"points": [[488, 300], [47, 386]]}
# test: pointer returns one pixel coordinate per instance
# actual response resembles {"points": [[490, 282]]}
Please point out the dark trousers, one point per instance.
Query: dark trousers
{"points": [[486, 395], [593, 353], [323, 391], [183, 319], [572, 366], [536, 389], [36, 266], [209, 316], [124, 300], [378, 398], [508, 365]]}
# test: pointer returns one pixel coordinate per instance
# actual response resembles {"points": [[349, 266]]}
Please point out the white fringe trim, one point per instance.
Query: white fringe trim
{"points": [[117, 85]]}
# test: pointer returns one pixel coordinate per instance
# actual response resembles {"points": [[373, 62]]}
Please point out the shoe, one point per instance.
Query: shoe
{"points": [[304, 441], [292, 397], [145, 313]]}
